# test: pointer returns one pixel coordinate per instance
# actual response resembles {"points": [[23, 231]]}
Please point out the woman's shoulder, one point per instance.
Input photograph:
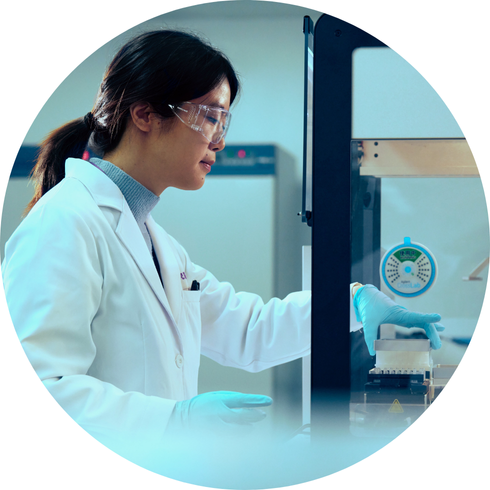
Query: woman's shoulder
{"points": [[69, 198], [64, 215], [83, 190]]}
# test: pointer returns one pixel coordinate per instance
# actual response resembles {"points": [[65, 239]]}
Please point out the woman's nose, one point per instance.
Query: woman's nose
{"points": [[217, 146]]}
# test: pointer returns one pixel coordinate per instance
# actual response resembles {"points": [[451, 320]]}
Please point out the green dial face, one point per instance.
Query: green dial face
{"points": [[410, 254]]}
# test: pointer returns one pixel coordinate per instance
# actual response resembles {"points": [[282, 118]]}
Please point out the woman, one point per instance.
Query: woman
{"points": [[111, 312]]}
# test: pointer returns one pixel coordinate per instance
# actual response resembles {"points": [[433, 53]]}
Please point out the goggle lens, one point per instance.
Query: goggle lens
{"points": [[211, 122]]}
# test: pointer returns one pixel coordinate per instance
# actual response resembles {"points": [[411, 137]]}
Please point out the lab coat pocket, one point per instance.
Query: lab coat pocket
{"points": [[190, 324]]}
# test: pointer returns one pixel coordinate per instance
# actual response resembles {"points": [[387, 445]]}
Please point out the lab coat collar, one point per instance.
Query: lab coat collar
{"points": [[106, 194], [103, 190], [131, 236], [169, 267]]}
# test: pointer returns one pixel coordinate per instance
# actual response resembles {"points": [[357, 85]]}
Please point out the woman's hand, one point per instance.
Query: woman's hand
{"points": [[373, 308], [219, 412]]}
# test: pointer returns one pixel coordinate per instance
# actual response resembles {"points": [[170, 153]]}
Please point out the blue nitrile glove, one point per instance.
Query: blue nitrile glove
{"points": [[219, 412], [373, 308]]}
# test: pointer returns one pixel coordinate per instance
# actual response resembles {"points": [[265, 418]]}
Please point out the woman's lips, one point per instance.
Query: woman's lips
{"points": [[207, 165]]}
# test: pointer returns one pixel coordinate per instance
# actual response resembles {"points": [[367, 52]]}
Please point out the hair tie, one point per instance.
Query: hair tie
{"points": [[89, 121]]}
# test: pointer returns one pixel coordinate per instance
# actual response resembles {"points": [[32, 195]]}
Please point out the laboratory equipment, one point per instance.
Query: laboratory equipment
{"points": [[388, 161], [401, 386], [402, 372], [409, 269]]}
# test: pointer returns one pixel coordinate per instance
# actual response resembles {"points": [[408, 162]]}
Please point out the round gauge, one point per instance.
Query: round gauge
{"points": [[408, 269]]}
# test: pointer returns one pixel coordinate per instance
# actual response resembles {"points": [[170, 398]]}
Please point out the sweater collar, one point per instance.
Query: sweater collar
{"points": [[140, 200]]}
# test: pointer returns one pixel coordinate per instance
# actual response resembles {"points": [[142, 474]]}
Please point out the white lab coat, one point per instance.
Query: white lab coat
{"points": [[114, 347]]}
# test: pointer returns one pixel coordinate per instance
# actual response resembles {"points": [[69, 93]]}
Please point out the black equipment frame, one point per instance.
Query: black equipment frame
{"points": [[338, 234]]}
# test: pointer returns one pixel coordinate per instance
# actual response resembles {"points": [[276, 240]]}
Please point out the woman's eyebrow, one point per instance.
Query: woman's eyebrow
{"points": [[212, 103], [215, 104]]}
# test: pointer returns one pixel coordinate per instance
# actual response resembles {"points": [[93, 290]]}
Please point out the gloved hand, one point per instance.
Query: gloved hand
{"points": [[374, 308], [219, 412]]}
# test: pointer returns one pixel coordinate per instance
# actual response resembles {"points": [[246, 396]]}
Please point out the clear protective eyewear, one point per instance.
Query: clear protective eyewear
{"points": [[211, 122]]}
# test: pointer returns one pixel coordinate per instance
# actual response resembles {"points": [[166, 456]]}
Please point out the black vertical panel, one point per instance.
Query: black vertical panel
{"points": [[365, 229], [334, 42]]}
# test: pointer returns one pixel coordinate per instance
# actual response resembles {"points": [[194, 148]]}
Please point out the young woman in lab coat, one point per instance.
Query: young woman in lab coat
{"points": [[111, 311]]}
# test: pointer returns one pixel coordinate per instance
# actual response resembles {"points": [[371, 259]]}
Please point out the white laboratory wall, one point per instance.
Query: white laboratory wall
{"points": [[219, 204]]}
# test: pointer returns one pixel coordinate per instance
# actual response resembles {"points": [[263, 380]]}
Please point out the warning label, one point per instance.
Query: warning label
{"points": [[396, 407]]}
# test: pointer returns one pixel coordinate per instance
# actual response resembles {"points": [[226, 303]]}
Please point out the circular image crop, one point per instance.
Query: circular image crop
{"points": [[244, 245]]}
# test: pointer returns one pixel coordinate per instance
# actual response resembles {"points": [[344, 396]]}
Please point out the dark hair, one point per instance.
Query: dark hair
{"points": [[159, 67]]}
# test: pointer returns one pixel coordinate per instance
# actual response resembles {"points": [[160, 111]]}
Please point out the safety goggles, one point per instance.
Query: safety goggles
{"points": [[211, 122]]}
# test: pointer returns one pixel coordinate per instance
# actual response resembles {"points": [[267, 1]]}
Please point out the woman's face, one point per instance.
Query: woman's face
{"points": [[183, 157]]}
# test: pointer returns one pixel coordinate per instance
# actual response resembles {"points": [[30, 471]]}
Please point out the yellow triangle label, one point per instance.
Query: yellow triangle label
{"points": [[396, 407]]}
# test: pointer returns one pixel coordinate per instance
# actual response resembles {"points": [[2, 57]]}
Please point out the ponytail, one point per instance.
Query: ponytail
{"points": [[67, 141]]}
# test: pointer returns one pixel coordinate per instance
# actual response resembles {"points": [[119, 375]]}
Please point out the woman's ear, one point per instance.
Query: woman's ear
{"points": [[142, 116]]}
